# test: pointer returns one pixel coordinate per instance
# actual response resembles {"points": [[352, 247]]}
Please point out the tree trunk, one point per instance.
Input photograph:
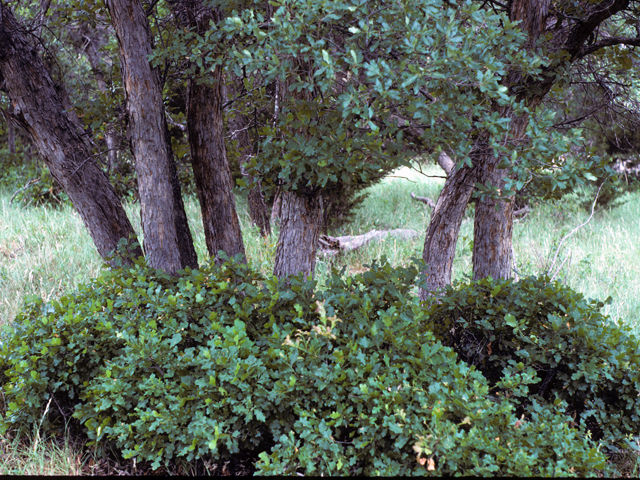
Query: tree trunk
{"points": [[205, 126], [569, 42], [300, 224], [38, 109], [442, 234], [11, 133], [493, 223], [94, 40], [211, 168], [167, 238], [493, 233], [258, 210]]}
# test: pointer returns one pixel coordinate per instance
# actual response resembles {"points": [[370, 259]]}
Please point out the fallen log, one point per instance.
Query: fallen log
{"points": [[426, 200], [522, 211], [333, 245]]}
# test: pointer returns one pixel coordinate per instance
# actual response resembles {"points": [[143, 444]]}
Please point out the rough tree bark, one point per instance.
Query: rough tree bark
{"points": [[205, 126], [442, 233], [211, 168], [492, 232], [11, 133], [38, 109], [301, 213], [300, 225], [258, 210], [493, 223], [167, 239]]}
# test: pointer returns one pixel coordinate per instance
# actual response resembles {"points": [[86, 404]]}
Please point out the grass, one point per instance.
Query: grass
{"points": [[37, 456]]}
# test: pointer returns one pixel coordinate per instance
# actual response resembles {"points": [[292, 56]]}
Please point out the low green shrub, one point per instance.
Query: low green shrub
{"points": [[220, 360], [375, 394], [548, 331]]}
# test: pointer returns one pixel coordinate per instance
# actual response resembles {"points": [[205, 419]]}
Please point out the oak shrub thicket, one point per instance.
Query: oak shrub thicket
{"points": [[498, 378]]}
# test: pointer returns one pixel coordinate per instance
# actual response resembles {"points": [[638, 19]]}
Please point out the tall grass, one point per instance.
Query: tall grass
{"points": [[41, 456], [47, 252]]}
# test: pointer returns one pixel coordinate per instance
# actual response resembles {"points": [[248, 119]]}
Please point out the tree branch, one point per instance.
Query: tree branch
{"points": [[593, 209], [583, 29], [608, 42], [173, 123], [332, 245]]}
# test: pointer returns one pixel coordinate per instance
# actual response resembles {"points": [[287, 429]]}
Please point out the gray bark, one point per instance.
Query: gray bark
{"points": [[38, 108], [167, 238], [493, 233], [333, 245], [300, 224], [568, 37], [442, 234], [445, 162]]}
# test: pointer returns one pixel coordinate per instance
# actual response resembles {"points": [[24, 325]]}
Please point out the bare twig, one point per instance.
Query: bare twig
{"points": [[173, 123], [28, 184], [513, 263], [568, 257], [332, 245]]}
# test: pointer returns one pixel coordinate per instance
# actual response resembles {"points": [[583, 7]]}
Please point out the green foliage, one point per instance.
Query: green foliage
{"points": [[544, 331], [354, 79], [32, 183], [219, 361], [376, 395]]}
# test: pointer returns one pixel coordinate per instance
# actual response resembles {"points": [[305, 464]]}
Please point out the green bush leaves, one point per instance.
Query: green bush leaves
{"points": [[556, 337], [341, 381]]}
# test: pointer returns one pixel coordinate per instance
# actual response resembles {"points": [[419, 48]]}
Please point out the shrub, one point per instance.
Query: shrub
{"points": [[543, 329], [220, 361]]}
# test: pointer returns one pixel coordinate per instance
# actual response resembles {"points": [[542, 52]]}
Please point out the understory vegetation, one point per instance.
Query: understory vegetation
{"points": [[48, 252], [228, 368]]}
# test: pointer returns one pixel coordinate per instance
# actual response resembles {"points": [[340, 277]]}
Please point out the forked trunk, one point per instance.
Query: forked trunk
{"points": [[38, 108], [167, 238], [300, 224], [493, 228]]}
